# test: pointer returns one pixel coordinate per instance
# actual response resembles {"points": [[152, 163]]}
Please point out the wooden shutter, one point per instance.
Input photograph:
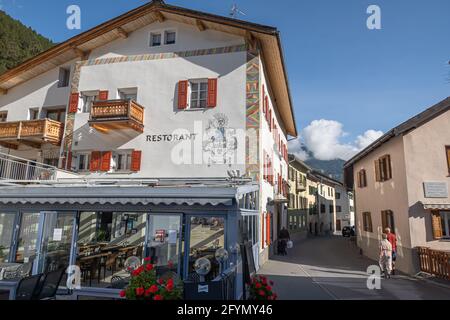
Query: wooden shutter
{"points": [[266, 104], [263, 232], [106, 161], [103, 95], [389, 167], [73, 103], [212, 93], [69, 161], [384, 223], [268, 229], [448, 157], [95, 161], [436, 224], [136, 157], [377, 170], [182, 94]]}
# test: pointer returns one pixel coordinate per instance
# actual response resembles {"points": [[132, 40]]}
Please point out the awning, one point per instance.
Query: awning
{"points": [[119, 195], [436, 206]]}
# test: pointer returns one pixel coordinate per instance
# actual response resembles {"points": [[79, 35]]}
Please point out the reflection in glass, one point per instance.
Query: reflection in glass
{"points": [[6, 234], [207, 234], [164, 242], [105, 241], [26, 250], [57, 241]]}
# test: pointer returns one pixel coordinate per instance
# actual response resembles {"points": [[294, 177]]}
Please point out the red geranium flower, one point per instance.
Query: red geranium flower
{"points": [[149, 267], [140, 291], [258, 285], [262, 293], [123, 294], [158, 297], [153, 289], [147, 259], [169, 287], [269, 288], [161, 281]]}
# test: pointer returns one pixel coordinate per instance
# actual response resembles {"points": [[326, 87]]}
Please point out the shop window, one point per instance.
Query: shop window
{"points": [[367, 222]]}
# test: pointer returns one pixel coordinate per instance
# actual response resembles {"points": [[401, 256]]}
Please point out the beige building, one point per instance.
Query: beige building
{"points": [[401, 181]]}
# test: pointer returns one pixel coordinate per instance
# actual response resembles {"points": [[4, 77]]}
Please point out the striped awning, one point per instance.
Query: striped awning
{"points": [[436, 206]]}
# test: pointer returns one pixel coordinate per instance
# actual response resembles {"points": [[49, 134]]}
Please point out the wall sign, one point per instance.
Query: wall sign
{"points": [[435, 189], [171, 137]]}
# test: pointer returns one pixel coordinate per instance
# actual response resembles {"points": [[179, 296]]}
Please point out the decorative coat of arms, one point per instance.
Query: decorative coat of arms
{"points": [[220, 142]]}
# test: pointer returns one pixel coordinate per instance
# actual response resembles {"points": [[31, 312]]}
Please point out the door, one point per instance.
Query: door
{"points": [[338, 225], [56, 241], [164, 242]]}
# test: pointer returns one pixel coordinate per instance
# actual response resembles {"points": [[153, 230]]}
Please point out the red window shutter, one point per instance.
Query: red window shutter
{"points": [[270, 120], [95, 161], [69, 161], [266, 102], [103, 95], [182, 94], [106, 161], [212, 93], [73, 103], [263, 95], [136, 157], [268, 229]]}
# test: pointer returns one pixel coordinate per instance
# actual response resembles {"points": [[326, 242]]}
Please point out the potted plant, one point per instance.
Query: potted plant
{"points": [[261, 289], [145, 285]]}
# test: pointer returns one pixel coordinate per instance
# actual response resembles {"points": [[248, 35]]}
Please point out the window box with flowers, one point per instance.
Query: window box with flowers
{"points": [[145, 285], [261, 289]]}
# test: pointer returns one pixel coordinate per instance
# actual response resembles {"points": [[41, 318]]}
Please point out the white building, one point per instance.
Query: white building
{"points": [[161, 96], [345, 208]]}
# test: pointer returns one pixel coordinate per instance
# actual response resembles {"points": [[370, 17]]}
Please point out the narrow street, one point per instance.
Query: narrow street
{"points": [[330, 268]]}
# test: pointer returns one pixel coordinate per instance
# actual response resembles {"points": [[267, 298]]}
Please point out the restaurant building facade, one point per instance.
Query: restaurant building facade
{"points": [[161, 133]]}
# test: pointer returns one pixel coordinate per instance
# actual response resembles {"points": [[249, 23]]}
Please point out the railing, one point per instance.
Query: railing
{"points": [[300, 186], [117, 110], [434, 262], [18, 169], [45, 129]]}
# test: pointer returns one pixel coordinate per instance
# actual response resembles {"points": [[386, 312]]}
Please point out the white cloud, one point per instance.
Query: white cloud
{"points": [[323, 139], [367, 138]]}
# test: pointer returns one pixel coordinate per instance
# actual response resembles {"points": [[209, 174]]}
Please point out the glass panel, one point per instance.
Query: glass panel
{"points": [[6, 234], [164, 242], [105, 241], [56, 241], [27, 242], [207, 234]]}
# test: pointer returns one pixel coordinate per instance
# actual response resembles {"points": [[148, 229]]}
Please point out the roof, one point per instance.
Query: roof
{"points": [[80, 45], [294, 158], [114, 195], [403, 128], [324, 178]]}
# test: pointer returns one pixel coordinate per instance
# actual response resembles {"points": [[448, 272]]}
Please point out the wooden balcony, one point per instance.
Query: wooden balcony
{"points": [[434, 262], [117, 115], [32, 133]]}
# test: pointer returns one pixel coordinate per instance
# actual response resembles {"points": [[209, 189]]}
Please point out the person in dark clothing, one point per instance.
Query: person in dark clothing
{"points": [[283, 238]]}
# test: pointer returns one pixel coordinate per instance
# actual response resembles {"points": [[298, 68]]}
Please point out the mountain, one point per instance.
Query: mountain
{"points": [[333, 168], [18, 42]]}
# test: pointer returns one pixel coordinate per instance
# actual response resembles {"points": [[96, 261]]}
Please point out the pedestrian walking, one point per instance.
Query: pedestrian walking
{"points": [[385, 260], [283, 239], [393, 241]]}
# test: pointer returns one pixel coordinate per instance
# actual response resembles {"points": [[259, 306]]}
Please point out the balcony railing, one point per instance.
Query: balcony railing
{"points": [[19, 169], [117, 114], [31, 132], [434, 262], [300, 186]]}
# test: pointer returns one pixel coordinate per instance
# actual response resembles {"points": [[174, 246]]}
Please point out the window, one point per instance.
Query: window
{"points": [[155, 39], [51, 162], [323, 209], [123, 161], [338, 209], [64, 77], [199, 93], [352, 209], [387, 220], [338, 195], [84, 160], [3, 116], [444, 224], [33, 114], [128, 94], [170, 37], [88, 99], [367, 222], [56, 114], [362, 179], [331, 208], [447, 149], [6, 232], [383, 169]]}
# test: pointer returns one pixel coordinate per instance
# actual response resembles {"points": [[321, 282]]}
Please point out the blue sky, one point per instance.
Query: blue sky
{"points": [[338, 69]]}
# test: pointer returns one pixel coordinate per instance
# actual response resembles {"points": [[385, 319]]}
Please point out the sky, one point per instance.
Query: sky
{"points": [[349, 84]]}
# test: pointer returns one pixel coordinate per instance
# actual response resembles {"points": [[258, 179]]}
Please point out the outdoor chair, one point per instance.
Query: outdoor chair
{"points": [[49, 285], [118, 282], [27, 287]]}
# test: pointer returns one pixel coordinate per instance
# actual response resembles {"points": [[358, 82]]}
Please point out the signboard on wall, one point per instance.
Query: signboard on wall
{"points": [[435, 189]]}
